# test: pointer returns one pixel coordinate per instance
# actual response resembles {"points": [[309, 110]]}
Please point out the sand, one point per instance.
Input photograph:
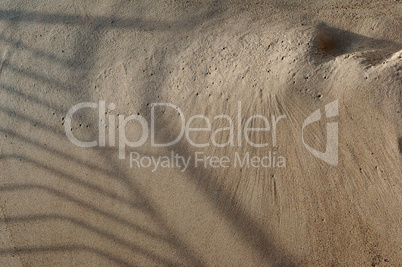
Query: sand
{"points": [[65, 205]]}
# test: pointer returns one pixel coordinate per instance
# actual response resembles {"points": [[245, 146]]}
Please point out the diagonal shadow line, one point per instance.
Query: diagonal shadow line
{"points": [[111, 174], [67, 197], [59, 153], [33, 122], [31, 98], [56, 131], [106, 22], [243, 222], [147, 206], [77, 181], [100, 190], [180, 245], [182, 248], [80, 223], [36, 52], [144, 207], [245, 225], [38, 77], [63, 249], [228, 206]]}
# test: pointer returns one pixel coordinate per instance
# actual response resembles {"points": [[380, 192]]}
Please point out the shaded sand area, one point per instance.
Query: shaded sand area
{"points": [[65, 205]]}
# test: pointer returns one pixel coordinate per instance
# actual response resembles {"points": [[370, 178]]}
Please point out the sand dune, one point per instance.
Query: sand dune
{"points": [[296, 160]]}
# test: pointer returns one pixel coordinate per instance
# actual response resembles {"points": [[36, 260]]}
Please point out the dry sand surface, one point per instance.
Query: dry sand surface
{"points": [[65, 205]]}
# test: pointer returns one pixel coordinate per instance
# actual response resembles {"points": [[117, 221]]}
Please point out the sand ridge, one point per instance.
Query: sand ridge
{"points": [[65, 205]]}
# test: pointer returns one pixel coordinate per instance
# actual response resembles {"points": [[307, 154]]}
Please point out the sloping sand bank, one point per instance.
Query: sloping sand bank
{"points": [[317, 184]]}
